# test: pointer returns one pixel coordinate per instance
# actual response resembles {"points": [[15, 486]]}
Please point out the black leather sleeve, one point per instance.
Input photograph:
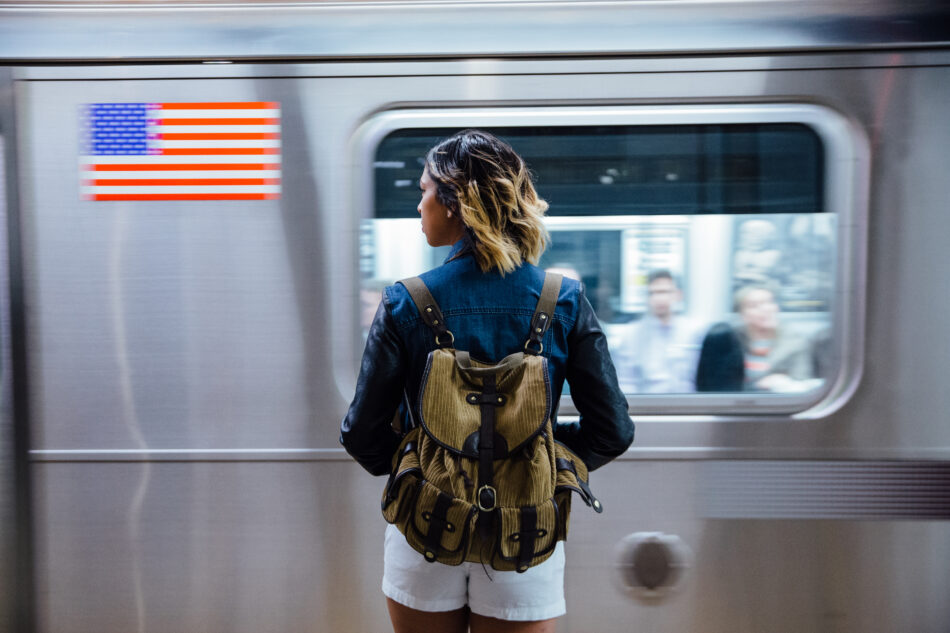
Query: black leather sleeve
{"points": [[605, 429], [366, 431]]}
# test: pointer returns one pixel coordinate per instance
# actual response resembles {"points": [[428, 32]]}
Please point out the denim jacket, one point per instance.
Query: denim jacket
{"points": [[489, 315]]}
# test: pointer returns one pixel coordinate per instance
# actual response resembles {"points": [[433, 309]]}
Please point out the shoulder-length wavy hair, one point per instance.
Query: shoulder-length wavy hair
{"points": [[481, 178]]}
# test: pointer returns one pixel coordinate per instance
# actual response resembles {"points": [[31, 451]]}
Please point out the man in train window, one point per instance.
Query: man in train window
{"points": [[660, 352]]}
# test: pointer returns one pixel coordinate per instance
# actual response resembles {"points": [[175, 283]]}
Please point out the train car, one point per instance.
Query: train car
{"points": [[203, 201]]}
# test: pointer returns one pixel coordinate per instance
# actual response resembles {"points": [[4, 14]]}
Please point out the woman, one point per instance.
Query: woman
{"points": [[776, 359], [477, 196]]}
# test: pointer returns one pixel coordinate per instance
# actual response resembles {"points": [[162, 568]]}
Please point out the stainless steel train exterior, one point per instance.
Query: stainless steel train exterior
{"points": [[175, 372]]}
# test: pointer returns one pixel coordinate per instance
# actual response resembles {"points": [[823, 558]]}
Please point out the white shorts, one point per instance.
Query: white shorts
{"points": [[537, 594]]}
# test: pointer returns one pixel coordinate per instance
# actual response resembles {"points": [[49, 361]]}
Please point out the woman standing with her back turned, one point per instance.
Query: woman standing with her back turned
{"points": [[477, 196]]}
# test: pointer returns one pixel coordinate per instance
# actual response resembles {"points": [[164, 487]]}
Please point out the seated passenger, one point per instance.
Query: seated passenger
{"points": [[659, 353], [776, 358]]}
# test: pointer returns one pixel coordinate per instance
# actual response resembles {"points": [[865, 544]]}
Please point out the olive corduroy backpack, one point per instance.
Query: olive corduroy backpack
{"points": [[480, 477]]}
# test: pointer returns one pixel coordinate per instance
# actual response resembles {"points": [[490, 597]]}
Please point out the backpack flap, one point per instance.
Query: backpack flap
{"points": [[452, 395]]}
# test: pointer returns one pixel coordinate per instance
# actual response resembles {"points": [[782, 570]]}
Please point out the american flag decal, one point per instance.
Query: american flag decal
{"points": [[180, 151]]}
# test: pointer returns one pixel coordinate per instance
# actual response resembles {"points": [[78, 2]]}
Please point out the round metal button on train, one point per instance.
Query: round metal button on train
{"points": [[651, 564]]}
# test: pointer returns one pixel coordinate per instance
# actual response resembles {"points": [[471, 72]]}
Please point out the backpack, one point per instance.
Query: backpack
{"points": [[480, 478]]}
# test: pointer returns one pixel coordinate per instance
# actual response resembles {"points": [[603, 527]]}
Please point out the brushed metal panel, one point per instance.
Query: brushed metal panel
{"points": [[277, 547], [904, 399], [185, 547], [752, 575], [178, 324], [207, 351], [111, 31]]}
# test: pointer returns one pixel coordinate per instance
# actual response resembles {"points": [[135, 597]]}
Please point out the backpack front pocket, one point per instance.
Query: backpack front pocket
{"points": [[401, 487], [439, 525], [436, 524], [527, 536]]}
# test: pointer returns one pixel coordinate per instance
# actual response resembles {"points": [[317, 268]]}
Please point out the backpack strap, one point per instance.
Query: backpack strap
{"points": [[429, 309], [540, 321], [543, 313], [486, 497]]}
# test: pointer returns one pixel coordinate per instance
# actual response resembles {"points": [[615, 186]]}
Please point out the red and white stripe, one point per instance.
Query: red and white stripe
{"points": [[198, 151]]}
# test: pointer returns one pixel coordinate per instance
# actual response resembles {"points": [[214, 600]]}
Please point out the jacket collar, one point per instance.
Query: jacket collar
{"points": [[460, 248]]}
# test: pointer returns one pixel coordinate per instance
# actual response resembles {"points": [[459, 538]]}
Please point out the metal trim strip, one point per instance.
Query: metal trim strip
{"points": [[489, 67], [635, 454], [110, 31], [190, 455]]}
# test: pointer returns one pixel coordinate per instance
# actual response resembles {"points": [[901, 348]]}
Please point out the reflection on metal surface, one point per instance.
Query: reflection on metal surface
{"points": [[651, 564], [117, 305], [758, 489]]}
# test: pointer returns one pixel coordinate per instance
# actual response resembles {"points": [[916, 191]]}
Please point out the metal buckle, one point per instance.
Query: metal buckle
{"points": [[531, 350], [451, 339], [478, 497]]}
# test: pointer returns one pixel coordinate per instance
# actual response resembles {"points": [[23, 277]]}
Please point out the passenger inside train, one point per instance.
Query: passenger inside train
{"points": [[660, 352], [777, 358]]}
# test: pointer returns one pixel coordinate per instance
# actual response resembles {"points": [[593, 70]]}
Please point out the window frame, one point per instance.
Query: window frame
{"points": [[845, 160]]}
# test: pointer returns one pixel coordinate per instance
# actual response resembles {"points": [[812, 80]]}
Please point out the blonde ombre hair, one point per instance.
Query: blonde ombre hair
{"points": [[481, 178]]}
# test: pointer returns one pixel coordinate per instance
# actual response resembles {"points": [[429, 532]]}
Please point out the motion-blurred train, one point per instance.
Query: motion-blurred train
{"points": [[202, 202]]}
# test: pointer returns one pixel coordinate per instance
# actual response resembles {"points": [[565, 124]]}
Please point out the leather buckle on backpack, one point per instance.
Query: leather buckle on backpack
{"points": [[486, 497]]}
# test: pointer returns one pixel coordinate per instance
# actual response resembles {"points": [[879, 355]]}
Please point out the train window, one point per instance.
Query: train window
{"points": [[710, 250]]}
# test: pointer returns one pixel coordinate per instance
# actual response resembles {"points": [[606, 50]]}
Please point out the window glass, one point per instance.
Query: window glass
{"points": [[705, 250]]}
